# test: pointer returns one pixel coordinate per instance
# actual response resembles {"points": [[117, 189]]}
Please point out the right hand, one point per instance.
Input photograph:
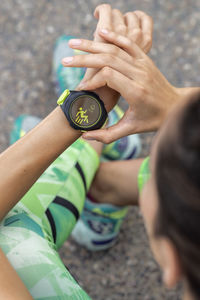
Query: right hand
{"points": [[136, 25], [128, 70]]}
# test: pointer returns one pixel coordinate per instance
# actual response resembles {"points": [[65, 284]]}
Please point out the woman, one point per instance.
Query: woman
{"points": [[170, 195], [170, 200]]}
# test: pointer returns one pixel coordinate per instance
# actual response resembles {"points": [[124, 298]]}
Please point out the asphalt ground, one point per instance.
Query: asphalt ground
{"points": [[28, 30]]}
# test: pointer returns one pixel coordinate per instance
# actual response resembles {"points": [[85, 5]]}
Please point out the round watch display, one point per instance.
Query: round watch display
{"points": [[84, 109]]}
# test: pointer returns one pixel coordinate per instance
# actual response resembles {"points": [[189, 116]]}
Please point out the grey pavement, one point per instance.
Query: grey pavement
{"points": [[28, 30]]}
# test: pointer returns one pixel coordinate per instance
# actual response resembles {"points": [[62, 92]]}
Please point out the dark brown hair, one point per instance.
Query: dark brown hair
{"points": [[177, 174]]}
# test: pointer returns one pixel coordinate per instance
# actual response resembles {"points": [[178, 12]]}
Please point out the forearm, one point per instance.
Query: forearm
{"points": [[23, 163]]}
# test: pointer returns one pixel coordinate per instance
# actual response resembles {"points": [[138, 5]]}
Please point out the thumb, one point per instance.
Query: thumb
{"points": [[112, 133]]}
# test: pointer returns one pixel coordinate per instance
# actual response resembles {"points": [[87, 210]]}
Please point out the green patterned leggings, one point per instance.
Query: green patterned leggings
{"points": [[40, 223]]}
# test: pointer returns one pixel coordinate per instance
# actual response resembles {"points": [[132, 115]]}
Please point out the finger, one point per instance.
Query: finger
{"points": [[118, 23], [129, 89], [100, 61], [102, 8], [131, 20], [146, 23], [134, 29], [123, 128], [116, 81], [104, 14], [122, 42], [89, 73], [96, 47]]}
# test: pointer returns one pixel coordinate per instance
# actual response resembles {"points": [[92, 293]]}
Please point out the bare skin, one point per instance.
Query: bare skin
{"points": [[24, 162], [137, 26], [28, 158], [163, 248], [116, 183], [126, 68]]}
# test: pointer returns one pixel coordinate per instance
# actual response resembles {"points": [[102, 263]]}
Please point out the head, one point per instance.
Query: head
{"points": [[170, 200]]}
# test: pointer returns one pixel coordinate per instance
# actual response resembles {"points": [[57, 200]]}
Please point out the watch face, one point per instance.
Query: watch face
{"points": [[85, 111]]}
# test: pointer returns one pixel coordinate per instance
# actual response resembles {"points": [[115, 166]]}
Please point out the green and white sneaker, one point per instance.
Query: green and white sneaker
{"points": [[99, 225], [21, 126]]}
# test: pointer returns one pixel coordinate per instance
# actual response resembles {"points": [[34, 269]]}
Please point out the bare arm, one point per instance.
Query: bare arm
{"points": [[22, 163], [20, 166]]}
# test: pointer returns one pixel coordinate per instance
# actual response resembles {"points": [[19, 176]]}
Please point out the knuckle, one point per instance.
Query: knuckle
{"points": [[141, 92], [114, 36], [106, 139], [115, 11], [136, 32], [145, 76], [121, 28], [128, 43], [148, 39], [128, 14], [147, 47], [105, 6], [139, 12]]}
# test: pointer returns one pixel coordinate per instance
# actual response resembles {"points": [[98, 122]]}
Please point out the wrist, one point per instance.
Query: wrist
{"points": [[63, 127], [171, 96], [186, 91]]}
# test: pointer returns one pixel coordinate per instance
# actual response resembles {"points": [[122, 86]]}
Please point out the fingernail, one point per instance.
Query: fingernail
{"points": [[104, 31], [75, 42], [67, 60]]}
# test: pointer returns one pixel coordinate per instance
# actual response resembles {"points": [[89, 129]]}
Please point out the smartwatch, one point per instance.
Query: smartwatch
{"points": [[84, 110]]}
